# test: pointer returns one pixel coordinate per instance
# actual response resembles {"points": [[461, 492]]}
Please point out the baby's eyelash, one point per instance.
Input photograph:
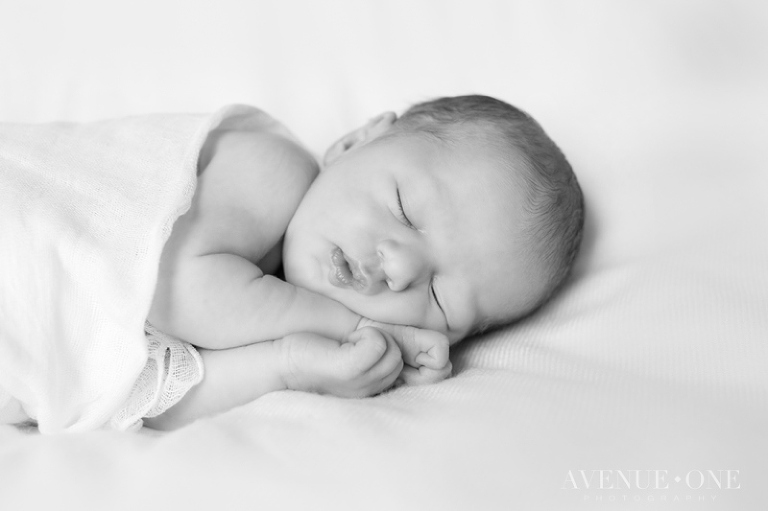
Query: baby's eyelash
{"points": [[439, 305], [402, 211], [434, 294]]}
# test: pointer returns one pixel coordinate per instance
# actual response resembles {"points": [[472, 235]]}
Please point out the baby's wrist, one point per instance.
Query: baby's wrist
{"points": [[289, 374], [347, 324], [339, 321]]}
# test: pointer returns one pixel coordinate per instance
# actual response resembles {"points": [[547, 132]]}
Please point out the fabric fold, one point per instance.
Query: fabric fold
{"points": [[85, 210]]}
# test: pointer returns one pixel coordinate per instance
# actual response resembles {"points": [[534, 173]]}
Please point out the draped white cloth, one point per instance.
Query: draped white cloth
{"points": [[85, 210]]}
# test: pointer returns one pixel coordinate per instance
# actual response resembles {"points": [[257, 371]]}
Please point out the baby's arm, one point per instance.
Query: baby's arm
{"points": [[243, 306], [367, 362], [211, 291]]}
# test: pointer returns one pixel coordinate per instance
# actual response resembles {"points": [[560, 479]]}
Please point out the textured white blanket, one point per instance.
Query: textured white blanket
{"points": [[85, 210]]}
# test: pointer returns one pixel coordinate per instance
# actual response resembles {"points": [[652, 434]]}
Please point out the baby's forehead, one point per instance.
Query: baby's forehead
{"points": [[496, 162], [484, 179]]}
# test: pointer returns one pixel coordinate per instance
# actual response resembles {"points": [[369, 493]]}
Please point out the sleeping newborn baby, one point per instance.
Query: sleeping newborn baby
{"points": [[459, 216]]}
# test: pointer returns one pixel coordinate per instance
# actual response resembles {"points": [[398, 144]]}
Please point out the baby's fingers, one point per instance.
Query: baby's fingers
{"points": [[419, 346], [384, 371], [389, 365], [389, 380], [437, 349], [369, 347], [378, 354], [423, 375]]}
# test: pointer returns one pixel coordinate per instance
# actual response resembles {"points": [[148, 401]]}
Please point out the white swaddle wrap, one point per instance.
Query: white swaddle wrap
{"points": [[85, 210]]}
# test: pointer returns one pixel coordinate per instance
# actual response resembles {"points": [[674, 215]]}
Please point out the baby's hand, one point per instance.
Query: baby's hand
{"points": [[425, 352], [366, 363]]}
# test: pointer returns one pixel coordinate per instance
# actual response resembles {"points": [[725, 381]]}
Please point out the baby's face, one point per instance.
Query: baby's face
{"points": [[410, 231]]}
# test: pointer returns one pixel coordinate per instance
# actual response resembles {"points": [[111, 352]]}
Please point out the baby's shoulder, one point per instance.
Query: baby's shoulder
{"points": [[249, 186], [265, 171], [266, 157]]}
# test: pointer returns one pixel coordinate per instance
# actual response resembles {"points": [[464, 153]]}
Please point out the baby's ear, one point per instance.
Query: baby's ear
{"points": [[365, 133]]}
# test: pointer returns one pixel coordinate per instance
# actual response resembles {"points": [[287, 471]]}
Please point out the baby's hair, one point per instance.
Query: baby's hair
{"points": [[554, 199]]}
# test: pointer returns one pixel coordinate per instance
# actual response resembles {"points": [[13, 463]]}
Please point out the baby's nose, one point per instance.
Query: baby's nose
{"points": [[373, 270], [403, 265]]}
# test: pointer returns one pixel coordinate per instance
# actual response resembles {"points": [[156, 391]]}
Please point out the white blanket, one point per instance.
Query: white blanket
{"points": [[85, 210]]}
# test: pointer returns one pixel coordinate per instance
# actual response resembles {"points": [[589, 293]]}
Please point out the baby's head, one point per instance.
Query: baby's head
{"points": [[459, 216]]}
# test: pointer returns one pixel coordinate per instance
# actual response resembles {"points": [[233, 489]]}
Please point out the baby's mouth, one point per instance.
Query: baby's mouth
{"points": [[345, 272]]}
